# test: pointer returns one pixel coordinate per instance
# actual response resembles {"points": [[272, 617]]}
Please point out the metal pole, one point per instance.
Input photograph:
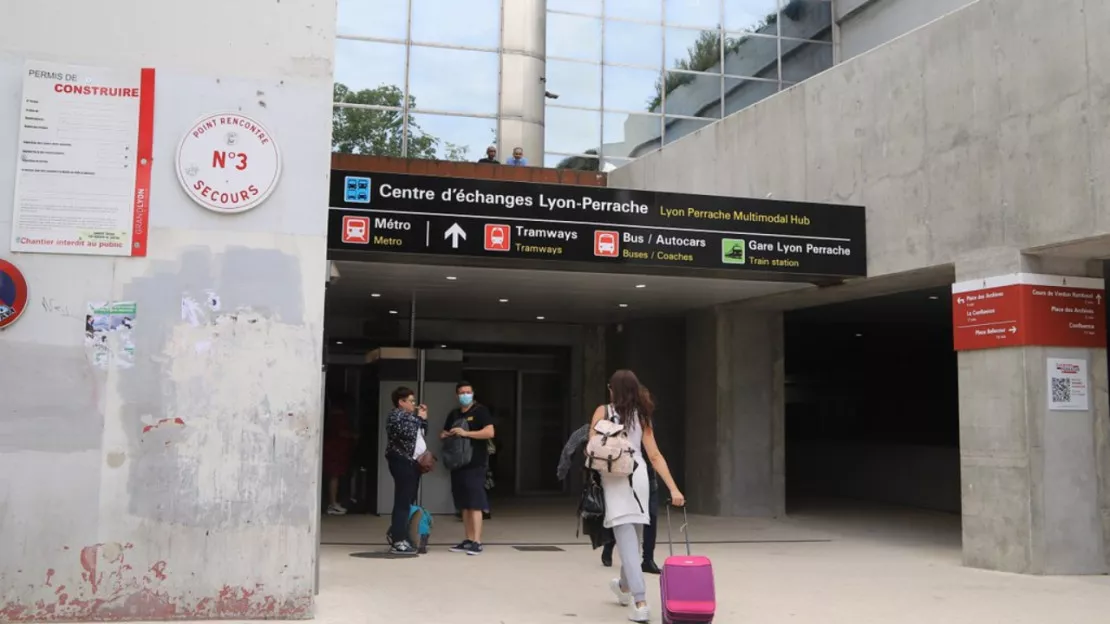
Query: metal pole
{"points": [[412, 321]]}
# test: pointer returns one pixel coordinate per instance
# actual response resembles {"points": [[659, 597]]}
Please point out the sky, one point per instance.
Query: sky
{"points": [[465, 81]]}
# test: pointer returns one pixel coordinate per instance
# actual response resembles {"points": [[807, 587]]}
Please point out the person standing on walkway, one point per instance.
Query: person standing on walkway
{"points": [[650, 530], [404, 429], [631, 407], [470, 421]]}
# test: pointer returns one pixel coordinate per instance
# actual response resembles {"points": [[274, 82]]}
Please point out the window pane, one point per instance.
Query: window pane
{"points": [[631, 89], [694, 50], [577, 162], [741, 93], [698, 13], [627, 43], [577, 84], [751, 16], [803, 59], [624, 133], [643, 10], [696, 95], [593, 7], [371, 132], [446, 137], [571, 36], [571, 131], [475, 23], [751, 55], [453, 80], [675, 128], [363, 65], [373, 18], [806, 19]]}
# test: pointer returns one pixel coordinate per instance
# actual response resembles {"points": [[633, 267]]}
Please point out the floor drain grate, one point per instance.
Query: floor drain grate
{"points": [[539, 549]]}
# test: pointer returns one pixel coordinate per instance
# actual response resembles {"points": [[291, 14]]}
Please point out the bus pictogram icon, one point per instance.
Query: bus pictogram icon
{"points": [[606, 243]]}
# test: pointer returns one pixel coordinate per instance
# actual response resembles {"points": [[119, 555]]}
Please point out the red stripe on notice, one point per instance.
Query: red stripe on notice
{"points": [[140, 224]]}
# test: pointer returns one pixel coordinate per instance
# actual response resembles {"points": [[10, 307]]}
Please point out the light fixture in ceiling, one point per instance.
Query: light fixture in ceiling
{"points": [[934, 297], [451, 278], [442, 346], [623, 305], [859, 335], [338, 342], [393, 311], [641, 285], [375, 295], [503, 300], [539, 318]]}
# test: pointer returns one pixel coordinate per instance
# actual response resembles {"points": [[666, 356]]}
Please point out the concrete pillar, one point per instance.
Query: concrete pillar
{"points": [[1035, 492], [735, 440], [523, 49]]}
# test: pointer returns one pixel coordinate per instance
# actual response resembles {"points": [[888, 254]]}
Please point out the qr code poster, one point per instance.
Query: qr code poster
{"points": [[1067, 385]]}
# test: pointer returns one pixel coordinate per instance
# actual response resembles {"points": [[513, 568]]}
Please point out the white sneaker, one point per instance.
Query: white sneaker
{"points": [[336, 510], [640, 614], [623, 597]]}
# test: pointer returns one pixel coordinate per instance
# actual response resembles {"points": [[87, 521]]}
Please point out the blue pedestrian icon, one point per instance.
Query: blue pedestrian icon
{"points": [[357, 190]]}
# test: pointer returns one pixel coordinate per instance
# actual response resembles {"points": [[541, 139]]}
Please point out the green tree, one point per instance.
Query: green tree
{"points": [[376, 132]]}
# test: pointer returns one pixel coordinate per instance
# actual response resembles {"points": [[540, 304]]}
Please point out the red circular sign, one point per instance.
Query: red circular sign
{"points": [[13, 293]]}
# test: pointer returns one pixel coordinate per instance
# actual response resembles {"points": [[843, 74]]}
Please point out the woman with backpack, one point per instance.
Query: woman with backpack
{"points": [[625, 424]]}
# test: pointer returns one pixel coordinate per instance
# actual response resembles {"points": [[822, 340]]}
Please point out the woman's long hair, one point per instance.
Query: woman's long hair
{"points": [[631, 397]]}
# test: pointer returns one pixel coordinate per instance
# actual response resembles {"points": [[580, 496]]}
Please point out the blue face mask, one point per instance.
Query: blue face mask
{"points": [[466, 399]]}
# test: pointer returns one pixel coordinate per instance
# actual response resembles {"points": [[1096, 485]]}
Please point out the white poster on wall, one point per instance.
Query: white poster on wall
{"points": [[1067, 385], [82, 183]]}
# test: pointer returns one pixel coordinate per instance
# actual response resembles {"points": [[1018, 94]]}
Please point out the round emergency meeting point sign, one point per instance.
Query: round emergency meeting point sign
{"points": [[13, 293], [228, 162]]}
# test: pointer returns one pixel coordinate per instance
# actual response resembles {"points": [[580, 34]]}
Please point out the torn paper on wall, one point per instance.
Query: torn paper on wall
{"points": [[197, 313], [108, 328]]}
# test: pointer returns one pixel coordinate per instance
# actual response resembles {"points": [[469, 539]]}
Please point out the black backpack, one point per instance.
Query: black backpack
{"points": [[457, 452]]}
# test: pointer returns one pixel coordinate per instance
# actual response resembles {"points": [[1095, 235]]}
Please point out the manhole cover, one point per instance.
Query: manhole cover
{"points": [[539, 549], [381, 554]]}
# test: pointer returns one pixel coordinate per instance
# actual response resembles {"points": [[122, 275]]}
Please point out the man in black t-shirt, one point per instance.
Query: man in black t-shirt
{"points": [[468, 484]]}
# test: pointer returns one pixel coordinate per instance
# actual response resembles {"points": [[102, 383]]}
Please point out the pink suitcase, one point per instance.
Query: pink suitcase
{"points": [[686, 586]]}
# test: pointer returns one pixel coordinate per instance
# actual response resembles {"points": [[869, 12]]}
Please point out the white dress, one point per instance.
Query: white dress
{"points": [[621, 505]]}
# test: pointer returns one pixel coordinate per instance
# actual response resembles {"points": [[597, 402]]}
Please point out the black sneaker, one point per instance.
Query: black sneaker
{"points": [[463, 546], [474, 549], [403, 548]]}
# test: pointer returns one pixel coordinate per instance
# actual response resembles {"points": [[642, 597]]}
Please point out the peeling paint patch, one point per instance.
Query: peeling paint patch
{"points": [[116, 593], [164, 423]]}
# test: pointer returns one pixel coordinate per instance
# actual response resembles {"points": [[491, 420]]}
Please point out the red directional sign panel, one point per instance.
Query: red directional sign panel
{"points": [[498, 237], [1029, 310]]}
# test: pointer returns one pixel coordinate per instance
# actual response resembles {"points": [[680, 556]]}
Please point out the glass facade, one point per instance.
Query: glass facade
{"points": [[667, 68], [426, 78], [409, 81]]}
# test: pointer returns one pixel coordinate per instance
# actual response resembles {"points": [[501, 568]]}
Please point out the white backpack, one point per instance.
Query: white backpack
{"points": [[608, 450]]}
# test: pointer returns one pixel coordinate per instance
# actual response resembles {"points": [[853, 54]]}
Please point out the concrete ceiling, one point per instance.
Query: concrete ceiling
{"points": [[474, 293]]}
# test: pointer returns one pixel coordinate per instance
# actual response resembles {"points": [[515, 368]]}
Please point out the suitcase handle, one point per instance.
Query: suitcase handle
{"points": [[682, 529]]}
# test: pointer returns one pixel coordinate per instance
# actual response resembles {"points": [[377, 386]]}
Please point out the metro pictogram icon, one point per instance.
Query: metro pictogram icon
{"points": [[356, 230], [498, 237]]}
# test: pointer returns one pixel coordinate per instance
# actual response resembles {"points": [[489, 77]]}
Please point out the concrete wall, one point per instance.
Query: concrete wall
{"points": [[867, 24], [955, 136], [735, 441], [655, 349], [114, 514]]}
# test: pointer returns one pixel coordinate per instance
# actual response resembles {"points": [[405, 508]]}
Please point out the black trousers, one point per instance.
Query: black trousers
{"points": [[651, 530], [406, 485]]}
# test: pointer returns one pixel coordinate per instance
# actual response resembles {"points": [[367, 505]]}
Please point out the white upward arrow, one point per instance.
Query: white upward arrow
{"points": [[1098, 298], [454, 233]]}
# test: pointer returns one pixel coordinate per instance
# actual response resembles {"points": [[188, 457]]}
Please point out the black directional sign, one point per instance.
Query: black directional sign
{"points": [[493, 218]]}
